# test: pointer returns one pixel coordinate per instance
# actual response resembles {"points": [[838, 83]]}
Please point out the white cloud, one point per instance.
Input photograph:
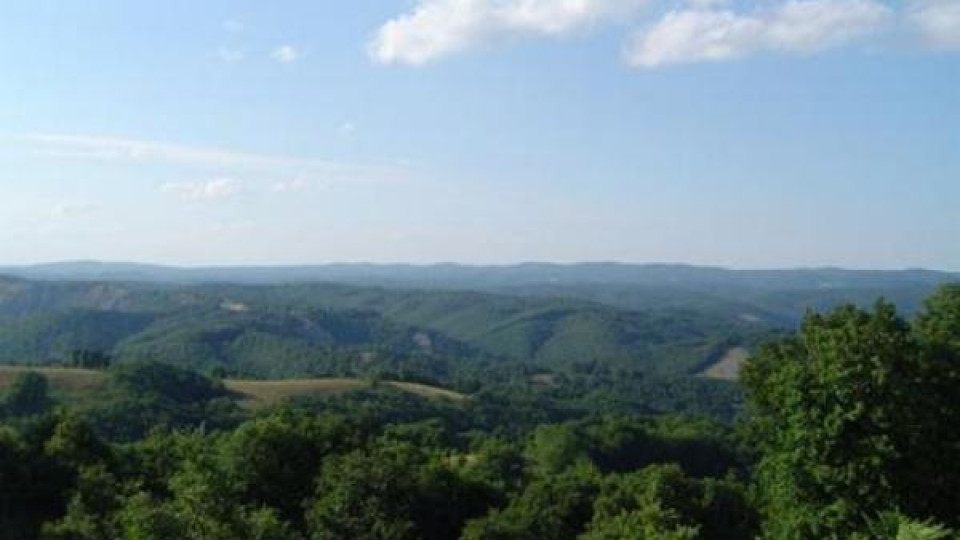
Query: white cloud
{"points": [[205, 162], [937, 22], [286, 54], [231, 56], [436, 28], [205, 191], [234, 26], [798, 26], [290, 186]]}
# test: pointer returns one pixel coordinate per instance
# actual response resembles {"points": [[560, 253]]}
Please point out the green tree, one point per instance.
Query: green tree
{"points": [[837, 412], [202, 505], [553, 448], [88, 517], [28, 396], [556, 506], [274, 460], [896, 526], [87, 359], [73, 441], [936, 441], [393, 491], [662, 502], [939, 322]]}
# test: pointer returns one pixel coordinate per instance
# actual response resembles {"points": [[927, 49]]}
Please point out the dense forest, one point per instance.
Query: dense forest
{"points": [[846, 431]]}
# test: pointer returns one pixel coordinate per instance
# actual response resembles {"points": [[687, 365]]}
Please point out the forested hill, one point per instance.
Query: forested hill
{"points": [[339, 329], [849, 434], [781, 296]]}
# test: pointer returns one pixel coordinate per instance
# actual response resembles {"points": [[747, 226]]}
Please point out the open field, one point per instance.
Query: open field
{"points": [[66, 384], [254, 394], [426, 390], [71, 384]]}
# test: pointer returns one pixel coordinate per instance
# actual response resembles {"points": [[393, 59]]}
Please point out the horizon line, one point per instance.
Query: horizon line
{"points": [[467, 265]]}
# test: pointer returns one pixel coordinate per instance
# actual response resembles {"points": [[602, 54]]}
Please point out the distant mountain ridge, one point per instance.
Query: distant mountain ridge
{"points": [[777, 296], [458, 275]]}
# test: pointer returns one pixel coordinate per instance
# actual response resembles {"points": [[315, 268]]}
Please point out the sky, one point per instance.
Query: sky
{"points": [[764, 134]]}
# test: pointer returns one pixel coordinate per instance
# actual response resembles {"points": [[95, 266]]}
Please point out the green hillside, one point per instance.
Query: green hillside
{"points": [[343, 330], [549, 331], [83, 386]]}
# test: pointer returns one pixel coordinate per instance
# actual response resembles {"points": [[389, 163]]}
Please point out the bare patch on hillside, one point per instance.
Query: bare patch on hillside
{"points": [[254, 394], [728, 367]]}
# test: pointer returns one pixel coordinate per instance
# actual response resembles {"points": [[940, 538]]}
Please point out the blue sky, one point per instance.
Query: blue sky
{"points": [[776, 133]]}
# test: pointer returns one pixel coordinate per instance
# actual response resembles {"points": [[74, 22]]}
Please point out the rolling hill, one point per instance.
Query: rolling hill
{"points": [[339, 329], [426, 322], [775, 296]]}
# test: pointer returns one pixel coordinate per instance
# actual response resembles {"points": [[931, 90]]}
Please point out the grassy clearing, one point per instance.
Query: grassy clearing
{"points": [[426, 390], [261, 393], [254, 394], [66, 384], [77, 385]]}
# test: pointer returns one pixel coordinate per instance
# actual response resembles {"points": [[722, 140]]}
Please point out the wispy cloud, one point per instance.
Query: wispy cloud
{"points": [[798, 26], [216, 189], [436, 28], [286, 54], [937, 22], [91, 147]]}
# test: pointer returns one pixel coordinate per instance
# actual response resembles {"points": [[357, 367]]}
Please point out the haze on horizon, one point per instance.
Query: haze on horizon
{"points": [[746, 134]]}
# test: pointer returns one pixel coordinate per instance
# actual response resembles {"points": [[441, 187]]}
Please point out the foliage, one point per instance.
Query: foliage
{"points": [[145, 395], [845, 421], [28, 396], [895, 526], [87, 359], [853, 417]]}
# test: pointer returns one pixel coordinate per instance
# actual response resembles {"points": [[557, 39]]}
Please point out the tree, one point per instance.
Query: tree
{"points": [[896, 526], [96, 496], [662, 502], [553, 448], [274, 460], [840, 415], [28, 396], [935, 439], [557, 507], [202, 505], [939, 323], [87, 359], [392, 491]]}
